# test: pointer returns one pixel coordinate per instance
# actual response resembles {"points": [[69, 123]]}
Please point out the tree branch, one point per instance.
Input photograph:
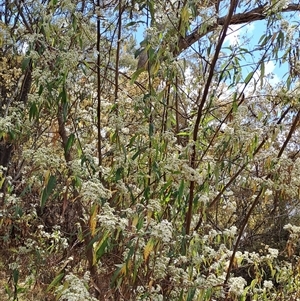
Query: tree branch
{"points": [[256, 14], [200, 108]]}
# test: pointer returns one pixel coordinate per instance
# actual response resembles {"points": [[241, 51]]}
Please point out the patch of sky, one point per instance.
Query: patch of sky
{"points": [[248, 38]]}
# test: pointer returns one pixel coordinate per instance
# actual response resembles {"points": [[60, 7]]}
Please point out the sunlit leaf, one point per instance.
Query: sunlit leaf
{"points": [[55, 281], [93, 219], [148, 249], [101, 246], [249, 77]]}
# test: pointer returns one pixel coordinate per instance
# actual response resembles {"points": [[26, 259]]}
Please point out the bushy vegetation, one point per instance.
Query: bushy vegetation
{"points": [[158, 168]]}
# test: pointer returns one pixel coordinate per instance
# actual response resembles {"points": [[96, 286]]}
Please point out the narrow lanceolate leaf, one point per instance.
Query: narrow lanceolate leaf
{"points": [[70, 143], [119, 173], [135, 75], [133, 23], [25, 63], [249, 77], [180, 190], [51, 183], [33, 111], [16, 276], [55, 281], [262, 74], [185, 15], [100, 249], [151, 129], [148, 249], [93, 220], [63, 95]]}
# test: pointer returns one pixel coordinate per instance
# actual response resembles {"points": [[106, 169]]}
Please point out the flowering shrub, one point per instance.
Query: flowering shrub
{"points": [[175, 181]]}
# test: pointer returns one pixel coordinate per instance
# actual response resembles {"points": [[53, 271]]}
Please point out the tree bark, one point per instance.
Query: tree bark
{"points": [[256, 14]]}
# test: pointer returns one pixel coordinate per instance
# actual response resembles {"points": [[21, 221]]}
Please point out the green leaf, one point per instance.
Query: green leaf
{"points": [[140, 150], [70, 143], [92, 241], [152, 55], [191, 294], [63, 95], [41, 89], [48, 190], [33, 111], [183, 134], [180, 190], [156, 169], [7, 290], [74, 22], [289, 82], [208, 294], [261, 38], [185, 15], [234, 103], [65, 108], [135, 75], [55, 281], [140, 223], [280, 39], [151, 129], [16, 276], [119, 174], [151, 9], [262, 73], [25, 63], [134, 23], [102, 245], [116, 274], [217, 173], [264, 39], [249, 77]]}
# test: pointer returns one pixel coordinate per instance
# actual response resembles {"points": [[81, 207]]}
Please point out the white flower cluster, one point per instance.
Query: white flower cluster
{"points": [[230, 206], [294, 232], [237, 285], [268, 192], [231, 232], [268, 284], [93, 190], [292, 228], [163, 231], [109, 220], [44, 158], [154, 205], [56, 239], [273, 252], [204, 199], [12, 200], [75, 289], [6, 123], [154, 292], [161, 267], [191, 174]]}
